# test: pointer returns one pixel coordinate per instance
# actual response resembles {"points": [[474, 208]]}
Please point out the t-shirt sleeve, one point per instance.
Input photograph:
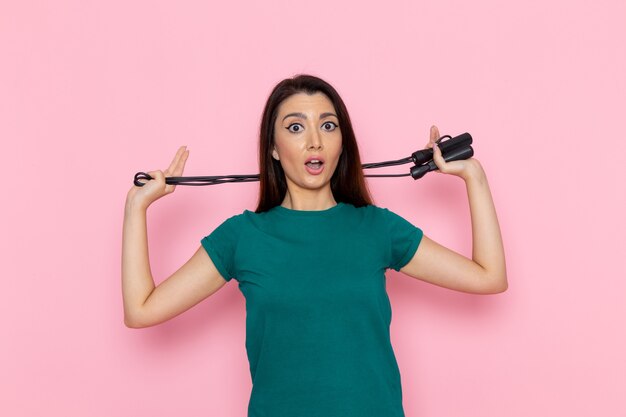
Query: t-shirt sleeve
{"points": [[404, 239], [221, 246]]}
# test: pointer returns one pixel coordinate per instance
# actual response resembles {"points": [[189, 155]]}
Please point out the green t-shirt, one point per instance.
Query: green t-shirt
{"points": [[317, 310]]}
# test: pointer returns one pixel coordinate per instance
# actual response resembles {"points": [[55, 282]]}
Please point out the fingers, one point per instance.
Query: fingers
{"points": [[434, 134], [175, 165], [174, 170], [181, 164], [155, 174], [161, 177], [443, 167], [438, 158]]}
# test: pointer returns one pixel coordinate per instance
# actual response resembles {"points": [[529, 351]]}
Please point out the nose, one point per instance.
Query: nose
{"points": [[315, 140]]}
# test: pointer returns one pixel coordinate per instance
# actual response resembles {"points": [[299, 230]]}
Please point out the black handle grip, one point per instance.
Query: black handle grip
{"points": [[418, 172], [461, 141]]}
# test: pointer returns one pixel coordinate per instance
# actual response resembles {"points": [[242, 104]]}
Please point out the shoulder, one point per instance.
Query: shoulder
{"points": [[247, 220], [389, 219], [231, 225], [371, 216], [375, 211], [234, 220], [384, 212]]}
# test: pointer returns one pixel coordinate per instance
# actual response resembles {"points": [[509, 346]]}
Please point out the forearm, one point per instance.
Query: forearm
{"points": [[487, 247], [137, 281]]}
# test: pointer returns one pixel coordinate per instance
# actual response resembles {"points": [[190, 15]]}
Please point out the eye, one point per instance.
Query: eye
{"points": [[295, 127], [329, 126]]}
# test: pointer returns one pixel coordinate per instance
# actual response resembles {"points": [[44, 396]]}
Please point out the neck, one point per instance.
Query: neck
{"points": [[311, 200]]}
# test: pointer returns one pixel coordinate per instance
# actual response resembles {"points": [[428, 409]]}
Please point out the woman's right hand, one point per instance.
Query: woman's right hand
{"points": [[156, 188]]}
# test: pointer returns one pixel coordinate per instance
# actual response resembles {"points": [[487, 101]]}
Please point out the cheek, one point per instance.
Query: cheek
{"points": [[285, 151], [287, 145], [338, 148]]}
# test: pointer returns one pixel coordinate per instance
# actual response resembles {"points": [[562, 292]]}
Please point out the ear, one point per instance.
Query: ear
{"points": [[275, 154]]}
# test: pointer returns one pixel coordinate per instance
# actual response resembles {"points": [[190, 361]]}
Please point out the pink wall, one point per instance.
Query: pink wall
{"points": [[92, 92]]}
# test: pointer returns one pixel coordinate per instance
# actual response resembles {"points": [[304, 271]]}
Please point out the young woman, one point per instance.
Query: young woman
{"points": [[311, 262]]}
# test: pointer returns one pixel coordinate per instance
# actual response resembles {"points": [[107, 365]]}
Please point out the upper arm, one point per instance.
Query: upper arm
{"points": [[196, 280], [441, 266]]}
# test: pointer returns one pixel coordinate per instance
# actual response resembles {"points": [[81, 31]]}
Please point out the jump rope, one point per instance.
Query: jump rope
{"points": [[453, 149]]}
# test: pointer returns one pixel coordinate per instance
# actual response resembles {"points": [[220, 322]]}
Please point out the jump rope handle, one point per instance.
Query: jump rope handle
{"points": [[418, 172]]}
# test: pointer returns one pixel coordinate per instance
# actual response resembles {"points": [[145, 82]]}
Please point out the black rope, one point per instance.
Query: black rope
{"points": [[452, 149]]}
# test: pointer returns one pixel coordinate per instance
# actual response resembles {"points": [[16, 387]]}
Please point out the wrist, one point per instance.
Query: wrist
{"points": [[474, 171], [134, 205]]}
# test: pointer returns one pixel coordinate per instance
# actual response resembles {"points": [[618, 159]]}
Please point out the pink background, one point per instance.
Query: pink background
{"points": [[92, 92]]}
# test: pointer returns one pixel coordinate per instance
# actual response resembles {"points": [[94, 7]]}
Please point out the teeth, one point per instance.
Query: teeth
{"points": [[314, 163]]}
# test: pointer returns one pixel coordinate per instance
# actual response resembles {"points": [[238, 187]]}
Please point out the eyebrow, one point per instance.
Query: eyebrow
{"points": [[303, 116]]}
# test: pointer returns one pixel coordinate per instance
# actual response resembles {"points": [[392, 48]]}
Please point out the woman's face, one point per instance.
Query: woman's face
{"points": [[307, 128]]}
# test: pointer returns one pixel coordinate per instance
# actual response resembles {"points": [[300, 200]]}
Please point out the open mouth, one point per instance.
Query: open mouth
{"points": [[314, 164]]}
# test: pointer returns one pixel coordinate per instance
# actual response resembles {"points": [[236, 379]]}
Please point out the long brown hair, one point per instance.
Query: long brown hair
{"points": [[347, 183]]}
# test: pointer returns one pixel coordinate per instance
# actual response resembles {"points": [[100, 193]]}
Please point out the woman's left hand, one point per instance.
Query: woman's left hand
{"points": [[464, 168]]}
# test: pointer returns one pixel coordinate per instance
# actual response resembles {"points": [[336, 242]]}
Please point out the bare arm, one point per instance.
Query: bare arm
{"points": [[144, 304], [485, 273]]}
